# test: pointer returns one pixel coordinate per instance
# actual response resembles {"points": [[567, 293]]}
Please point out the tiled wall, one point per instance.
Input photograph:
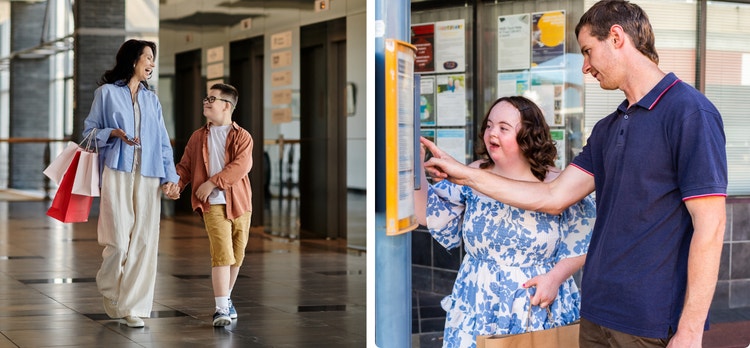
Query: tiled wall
{"points": [[733, 289], [434, 270]]}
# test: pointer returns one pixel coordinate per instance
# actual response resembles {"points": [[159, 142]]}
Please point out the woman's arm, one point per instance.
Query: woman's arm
{"points": [[548, 284]]}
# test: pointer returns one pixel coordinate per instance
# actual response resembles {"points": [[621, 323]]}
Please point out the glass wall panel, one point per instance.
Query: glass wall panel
{"points": [[529, 48], [728, 83], [674, 24], [445, 54]]}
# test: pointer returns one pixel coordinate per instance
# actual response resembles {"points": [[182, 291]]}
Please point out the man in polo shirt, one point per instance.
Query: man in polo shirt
{"points": [[658, 166]]}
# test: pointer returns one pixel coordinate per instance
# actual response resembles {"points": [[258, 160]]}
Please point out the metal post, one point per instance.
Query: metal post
{"points": [[392, 253]]}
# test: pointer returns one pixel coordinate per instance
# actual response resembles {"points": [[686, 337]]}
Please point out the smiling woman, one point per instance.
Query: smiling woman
{"points": [[136, 151]]}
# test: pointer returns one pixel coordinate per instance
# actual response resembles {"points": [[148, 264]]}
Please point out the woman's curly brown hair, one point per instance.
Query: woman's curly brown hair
{"points": [[534, 138]]}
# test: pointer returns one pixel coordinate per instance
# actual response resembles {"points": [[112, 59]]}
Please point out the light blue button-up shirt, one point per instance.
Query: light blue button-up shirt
{"points": [[112, 109]]}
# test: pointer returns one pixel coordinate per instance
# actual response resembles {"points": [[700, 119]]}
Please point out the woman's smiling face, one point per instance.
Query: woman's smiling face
{"points": [[144, 67], [501, 131]]}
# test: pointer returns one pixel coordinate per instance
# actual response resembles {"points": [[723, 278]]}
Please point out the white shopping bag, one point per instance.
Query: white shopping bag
{"points": [[59, 166]]}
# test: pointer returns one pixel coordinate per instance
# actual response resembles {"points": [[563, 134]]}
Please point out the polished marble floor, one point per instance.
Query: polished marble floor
{"points": [[290, 293]]}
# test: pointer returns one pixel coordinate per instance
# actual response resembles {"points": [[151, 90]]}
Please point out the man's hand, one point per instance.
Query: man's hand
{"points": [[443, 166], [204, 190]]}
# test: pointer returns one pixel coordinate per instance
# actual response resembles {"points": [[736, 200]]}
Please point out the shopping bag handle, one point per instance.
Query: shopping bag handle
{"points": [[528, 317], [86, 142]]}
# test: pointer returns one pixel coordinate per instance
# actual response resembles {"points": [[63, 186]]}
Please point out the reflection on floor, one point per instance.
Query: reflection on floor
{"points": [[291, 292], [281, 217]]}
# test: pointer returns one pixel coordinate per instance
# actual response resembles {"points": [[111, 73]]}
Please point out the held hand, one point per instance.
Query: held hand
{"points": [[171, 190], [204, 190], [546, 290], [443, 166]]}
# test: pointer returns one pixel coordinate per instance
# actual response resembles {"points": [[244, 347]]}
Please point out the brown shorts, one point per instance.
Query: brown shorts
{"points": [[227, 238]]}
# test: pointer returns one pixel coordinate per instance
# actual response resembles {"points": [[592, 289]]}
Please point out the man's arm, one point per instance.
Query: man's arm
{"points": [[709, 220], [551, 197]]}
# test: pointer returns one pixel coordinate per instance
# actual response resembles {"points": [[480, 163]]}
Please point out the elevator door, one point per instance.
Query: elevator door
{"points": [[246, 74], [188, 109], [322, 179]]}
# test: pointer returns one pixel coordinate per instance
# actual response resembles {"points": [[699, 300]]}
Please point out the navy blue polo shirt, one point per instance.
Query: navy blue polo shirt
{"points": [[646, 161]]}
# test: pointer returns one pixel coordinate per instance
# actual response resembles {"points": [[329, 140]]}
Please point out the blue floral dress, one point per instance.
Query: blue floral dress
{"points": [[505, 246]]}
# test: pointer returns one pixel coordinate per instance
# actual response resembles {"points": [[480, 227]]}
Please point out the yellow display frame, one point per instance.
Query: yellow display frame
{"points": [[399, 137]]}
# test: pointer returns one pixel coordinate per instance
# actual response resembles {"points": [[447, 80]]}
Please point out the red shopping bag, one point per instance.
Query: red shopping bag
{"points": [[69, 207]]}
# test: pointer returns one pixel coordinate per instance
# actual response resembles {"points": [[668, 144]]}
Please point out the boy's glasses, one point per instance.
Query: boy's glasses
{"points": [[212, 99]]}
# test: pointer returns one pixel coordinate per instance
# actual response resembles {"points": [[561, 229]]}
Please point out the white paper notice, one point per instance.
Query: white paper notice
{"points": [[281, 97], [513, 42], [281, 40], [281, 78], [214, 70], [450, 46], [405, 135], [281, 59], [453, 142], [215, 54]]}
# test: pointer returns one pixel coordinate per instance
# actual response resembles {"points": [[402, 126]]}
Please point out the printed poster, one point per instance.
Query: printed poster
{"points": [[513, 42], [558, 136], [548, 39], [543, 96], [450, 46], [510, 84], [451, 100], [546, 87], [423, 38], [453, 142], [428, 133], [427, 101]]}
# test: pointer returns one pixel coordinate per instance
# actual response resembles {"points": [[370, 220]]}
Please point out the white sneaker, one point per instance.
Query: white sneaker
{"points": [[221, 317], [132, 321]]}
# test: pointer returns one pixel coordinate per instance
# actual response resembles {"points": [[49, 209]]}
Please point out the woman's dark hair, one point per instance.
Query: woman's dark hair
{"points": [[127, 56], [534, 138]]}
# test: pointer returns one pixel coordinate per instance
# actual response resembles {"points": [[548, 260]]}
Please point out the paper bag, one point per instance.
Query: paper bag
{"points": [[66, 206], [561, 336], [86, 181], [60, 164]]}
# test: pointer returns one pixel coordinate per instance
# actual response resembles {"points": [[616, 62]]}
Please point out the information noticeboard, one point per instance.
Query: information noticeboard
{"points": [[399, 137]]}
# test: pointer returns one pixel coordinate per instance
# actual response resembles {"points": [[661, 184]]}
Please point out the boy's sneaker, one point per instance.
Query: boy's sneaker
{"points": [[221, 317], [232, 311]]}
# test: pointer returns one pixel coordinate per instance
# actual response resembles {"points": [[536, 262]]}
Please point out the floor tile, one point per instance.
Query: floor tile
{"points": [[290, 293]]}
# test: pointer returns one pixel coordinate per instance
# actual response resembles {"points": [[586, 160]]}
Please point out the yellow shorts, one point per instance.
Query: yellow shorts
{"points": [[227, 238]]}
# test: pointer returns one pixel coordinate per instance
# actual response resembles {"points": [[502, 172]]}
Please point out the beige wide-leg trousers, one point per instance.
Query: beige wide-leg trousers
{"points": [[128, 229]]}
